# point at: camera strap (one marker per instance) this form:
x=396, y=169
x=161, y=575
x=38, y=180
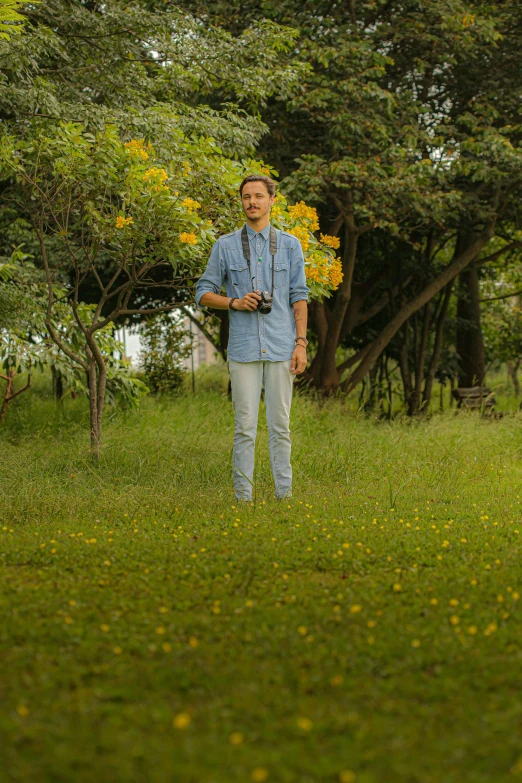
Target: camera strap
x=246, y=253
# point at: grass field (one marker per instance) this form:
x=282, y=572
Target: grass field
x=366, y=631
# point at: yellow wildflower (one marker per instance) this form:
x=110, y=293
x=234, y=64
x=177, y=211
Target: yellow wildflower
x=181, y=721
x=155, y=173
x=136, y=148
x=122, y=222
x=259, y=775
x=190, y=204
x=336, y=273
x=188, y=239
x=334, y=242
x=155, y=178
x=306, y=213
x=302, y=234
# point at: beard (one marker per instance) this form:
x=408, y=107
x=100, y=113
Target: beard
x=254, y=214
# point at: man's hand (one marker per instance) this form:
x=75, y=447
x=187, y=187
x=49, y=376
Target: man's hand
x=248, y=302
x=298, y=359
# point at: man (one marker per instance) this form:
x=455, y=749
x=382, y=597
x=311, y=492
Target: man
x=265, y=348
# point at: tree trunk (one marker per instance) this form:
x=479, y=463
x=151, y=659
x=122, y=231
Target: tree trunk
x=470, y=342
x=57, y=383
x=391, y=329
x=370, y=402
x=420, y=361
x=513, y=374
x=325, y=372
x=320, y=320
x=390, y=389
x=404, y=364
x=9, y=394
x=437, y=348
x=97, y=382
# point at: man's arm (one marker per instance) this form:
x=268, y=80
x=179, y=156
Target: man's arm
x=299, y=354
x=218, y=302
x=299, y=301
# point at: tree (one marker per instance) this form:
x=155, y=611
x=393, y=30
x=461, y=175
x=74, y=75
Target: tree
x=146, y=216
x=390, y=133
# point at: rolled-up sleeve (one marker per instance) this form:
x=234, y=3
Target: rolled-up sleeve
x=212, y=279
x=298, y=289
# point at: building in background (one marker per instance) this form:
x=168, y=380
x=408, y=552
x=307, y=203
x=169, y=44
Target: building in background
x=204, y=352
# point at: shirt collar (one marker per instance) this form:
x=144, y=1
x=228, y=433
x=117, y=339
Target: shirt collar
x=265, y=233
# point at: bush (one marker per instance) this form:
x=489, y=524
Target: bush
x=165, y=343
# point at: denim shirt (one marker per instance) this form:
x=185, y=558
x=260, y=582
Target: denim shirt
x=255, y=337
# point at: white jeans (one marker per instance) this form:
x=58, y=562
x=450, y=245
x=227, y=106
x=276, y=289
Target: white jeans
x=247, y=378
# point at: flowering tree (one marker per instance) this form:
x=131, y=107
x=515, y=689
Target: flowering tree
x=134, y=217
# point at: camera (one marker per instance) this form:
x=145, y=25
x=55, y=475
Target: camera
x=265, y=305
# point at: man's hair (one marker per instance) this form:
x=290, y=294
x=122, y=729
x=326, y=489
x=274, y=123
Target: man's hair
x=270, y=184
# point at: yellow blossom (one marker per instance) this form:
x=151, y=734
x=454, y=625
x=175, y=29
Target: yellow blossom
x=181, y=721
x=305, y=724
x=155, y=173
x=136, y=148
x=330, y=241
x=188, y=238
x=302, y=234
x=259, y=775
x=305, y=213
x=336, y=273
x=236, y=738
x=122, y=222
x=347, y=776
x=22, y=710
x=190, y=204
x=155, y=178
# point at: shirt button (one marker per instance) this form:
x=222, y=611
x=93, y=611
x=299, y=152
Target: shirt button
x=263, y=351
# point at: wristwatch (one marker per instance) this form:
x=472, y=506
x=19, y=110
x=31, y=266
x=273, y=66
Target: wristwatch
x=231, y=302
x=305, y=341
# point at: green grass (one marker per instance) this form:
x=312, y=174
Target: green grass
x=367, y=630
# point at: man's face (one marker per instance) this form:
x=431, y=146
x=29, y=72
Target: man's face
x=256, y=200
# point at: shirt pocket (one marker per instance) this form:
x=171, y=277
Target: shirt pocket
x=280, y=273
x=240, y=275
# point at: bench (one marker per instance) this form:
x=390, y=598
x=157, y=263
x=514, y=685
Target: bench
x=475, y=397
